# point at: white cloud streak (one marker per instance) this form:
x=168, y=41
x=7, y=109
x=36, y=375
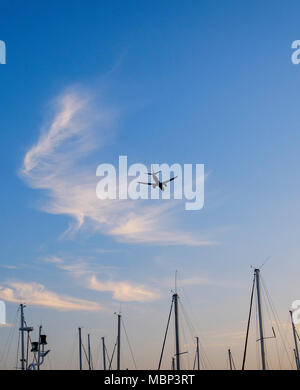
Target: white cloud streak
x=55, y=163
x=37, y=295
x=122, y=291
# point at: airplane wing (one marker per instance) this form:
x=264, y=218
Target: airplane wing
x=167, y=181
x=141, y=182
x=153, y=173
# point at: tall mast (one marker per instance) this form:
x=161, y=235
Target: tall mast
x=80, y=349
x=119, y=343
x=165, y=338
x=248, y=324
x=22, y=330
x=230, y=359
x=175, y=297
x=296, y=351
x=103, y=350
x=89, y=352
x=260, y=319
x=173, y=363
x=39, y=348
x=296, y=359
x=198, y=355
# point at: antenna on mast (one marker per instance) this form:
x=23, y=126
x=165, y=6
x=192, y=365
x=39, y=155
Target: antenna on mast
x=265, y=262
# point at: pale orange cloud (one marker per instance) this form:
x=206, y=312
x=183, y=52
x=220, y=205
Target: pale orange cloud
x=123, y=291
x=36, y=294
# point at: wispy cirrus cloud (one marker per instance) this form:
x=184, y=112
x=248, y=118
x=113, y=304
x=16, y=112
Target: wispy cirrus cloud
x=203, y=281
x=56, y=164
x=53, y=260
x=123, y=291
x=36, y=294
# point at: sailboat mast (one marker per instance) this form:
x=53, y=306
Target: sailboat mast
x=103, y=351
x=175, y=297
x=89, y=352
x=260, y=319
x=230, y=359
x=119, y=343
x=198, y=354
x=39, y=348
x=80, y=349
x=296, y=343
x=22, y=326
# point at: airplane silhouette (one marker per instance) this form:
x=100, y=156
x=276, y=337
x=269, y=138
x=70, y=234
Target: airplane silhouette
x=157, y=182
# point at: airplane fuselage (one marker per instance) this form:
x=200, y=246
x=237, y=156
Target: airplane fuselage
x=157, y=183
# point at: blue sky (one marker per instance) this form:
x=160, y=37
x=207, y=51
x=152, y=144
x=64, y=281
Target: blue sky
x=197, y=82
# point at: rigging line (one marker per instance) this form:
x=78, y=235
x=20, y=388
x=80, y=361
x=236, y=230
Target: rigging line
x=248, y=325
x=131, y=352
x=166, y=333
x=193, y=332
x=18, y=351
x=112, y=356
x=34, y=356
x=86, y=356
x=204, y=356
x=69, y=362
x=10, y=336
x=186, y=320
x=265, y=262
x=107, y=353
x=91, y=360
x=186, y=343
x=266, y=303
x=276, y=317
x=9, y=345
x=194, y=365
x=267, y=311
x=49, y=361
x=27, y=346
x=257, y=335
x=233, y=362
x=257, y=323
x=27, y=351
x=286, y=330
x=185, y=316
